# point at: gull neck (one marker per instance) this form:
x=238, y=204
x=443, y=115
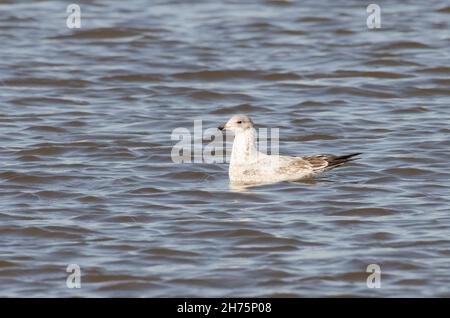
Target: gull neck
x=244, y=147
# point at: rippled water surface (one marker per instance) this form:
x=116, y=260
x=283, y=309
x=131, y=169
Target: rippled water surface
x=86, y=174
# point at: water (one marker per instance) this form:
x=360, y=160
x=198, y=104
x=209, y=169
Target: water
x=86, y=175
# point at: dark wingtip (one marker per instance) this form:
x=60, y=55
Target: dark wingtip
x=337, y=161
x=350, y=157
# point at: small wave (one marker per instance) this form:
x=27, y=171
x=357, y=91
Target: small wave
x=47, y=82
x=44, y=151
x=241, y=108
x=373, y=74
x=27, y=178
x=407, y=172
x=438, y=70
x=187, y=175
x=343, y=32
x=47, y=129
x=45, y=101
x=169, y=252
x=366, y=212
x=312, y=137
x=53, y=194
x=41, y=232
x=219, y=75
x=4, y=264
x=444, y=10
x=441, y=81
x=146, y=190
x=351, y=73
x=360, y=92
x=417, y=91
x=74, y=123
x=412, y=282
x=391, y=62
x=28, y=158
x=100, y=33
x=237, y=233
x=405, y=45
x=134, y=78
x=316, y=20
x=410, y=110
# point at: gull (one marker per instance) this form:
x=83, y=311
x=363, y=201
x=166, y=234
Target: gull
x=249, y=166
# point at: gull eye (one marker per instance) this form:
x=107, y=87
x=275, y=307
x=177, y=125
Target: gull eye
x=239, y=122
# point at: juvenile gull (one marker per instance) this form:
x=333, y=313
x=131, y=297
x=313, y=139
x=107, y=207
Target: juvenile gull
x=249, y=166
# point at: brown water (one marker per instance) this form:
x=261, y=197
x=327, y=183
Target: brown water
x=86, y=175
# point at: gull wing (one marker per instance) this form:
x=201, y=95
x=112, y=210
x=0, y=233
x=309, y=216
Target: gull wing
x=312, y=164
x=326, y=162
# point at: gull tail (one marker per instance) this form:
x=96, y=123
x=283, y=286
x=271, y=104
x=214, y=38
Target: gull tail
x=336, y=161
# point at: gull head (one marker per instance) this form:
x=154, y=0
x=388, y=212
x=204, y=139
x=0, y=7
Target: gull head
x=237, y=124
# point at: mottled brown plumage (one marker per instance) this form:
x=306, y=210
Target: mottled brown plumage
x=328, y=162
